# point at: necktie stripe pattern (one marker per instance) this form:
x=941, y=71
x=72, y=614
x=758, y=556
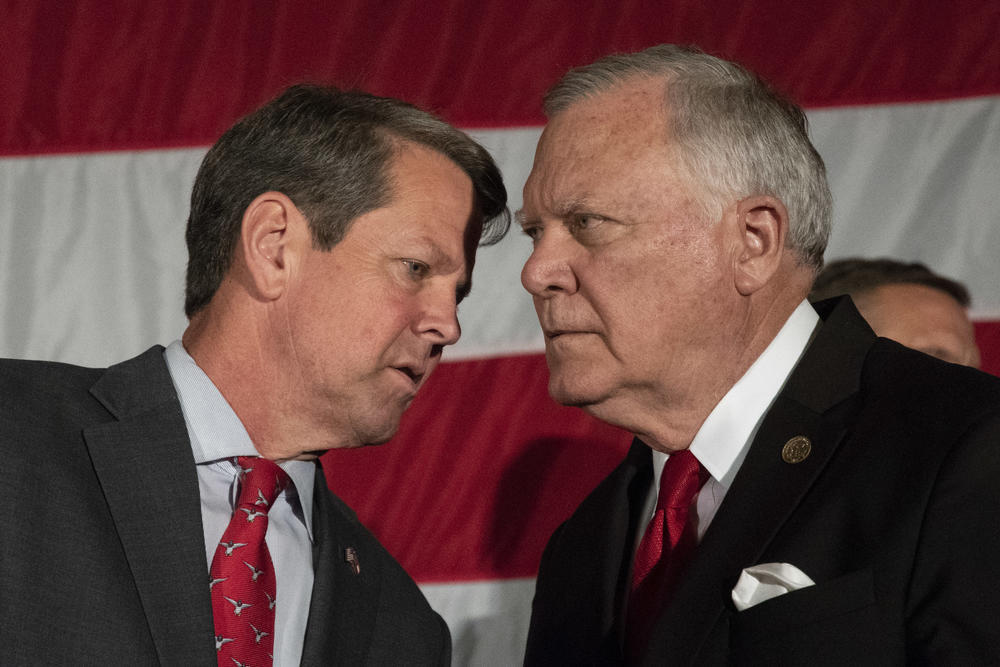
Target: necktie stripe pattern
x=242, y=580
x=666, y=547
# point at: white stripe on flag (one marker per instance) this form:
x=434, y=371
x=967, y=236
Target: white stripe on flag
x=93, y=252
x=488, y=620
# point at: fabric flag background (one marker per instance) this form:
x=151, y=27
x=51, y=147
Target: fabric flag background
x=108, y=107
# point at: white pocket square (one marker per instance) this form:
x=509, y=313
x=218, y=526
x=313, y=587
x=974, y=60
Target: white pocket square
x=766, y=581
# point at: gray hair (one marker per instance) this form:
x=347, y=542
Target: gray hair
x=330, y=152
x=736, y=135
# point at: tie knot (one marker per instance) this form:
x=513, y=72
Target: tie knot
x=261, y=481
x=680, y=481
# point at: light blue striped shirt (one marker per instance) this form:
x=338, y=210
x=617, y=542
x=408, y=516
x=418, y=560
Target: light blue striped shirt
x=217, y=435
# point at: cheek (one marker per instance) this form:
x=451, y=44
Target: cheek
x=389, y=318
x=628, y=287
x=646, y=303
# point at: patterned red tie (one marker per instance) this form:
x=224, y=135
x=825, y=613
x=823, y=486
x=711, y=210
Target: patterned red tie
x=242, y=578
x=665, y=549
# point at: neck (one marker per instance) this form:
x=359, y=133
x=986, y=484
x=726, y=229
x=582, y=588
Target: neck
x=240, y=364
x=668, y=418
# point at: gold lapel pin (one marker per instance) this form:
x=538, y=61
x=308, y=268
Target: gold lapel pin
x=351, y=557
x=796, y=450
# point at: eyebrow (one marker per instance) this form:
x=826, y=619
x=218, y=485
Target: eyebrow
x=561, y=210
x=437, y=255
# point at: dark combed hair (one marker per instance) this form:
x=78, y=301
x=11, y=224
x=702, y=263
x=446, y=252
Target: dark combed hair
x=330, y=151
x=856, y=275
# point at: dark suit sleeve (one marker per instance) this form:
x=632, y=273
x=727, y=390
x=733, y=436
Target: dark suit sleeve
x=540, y=641
x=953, y=607
x=445, y=660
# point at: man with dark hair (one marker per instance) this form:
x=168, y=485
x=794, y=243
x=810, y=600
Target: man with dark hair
x=799, y=491
x=906, y=302
x=176, y=497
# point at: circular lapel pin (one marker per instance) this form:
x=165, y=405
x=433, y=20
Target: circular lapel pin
x=796, y=450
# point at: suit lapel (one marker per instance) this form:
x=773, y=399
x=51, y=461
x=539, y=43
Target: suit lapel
x=147, y=472
x=593, y=582
x=627, y=494
x=339, y=633
x=816, y=403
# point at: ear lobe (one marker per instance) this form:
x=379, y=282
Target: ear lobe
x=763, y=227
x=266, y=236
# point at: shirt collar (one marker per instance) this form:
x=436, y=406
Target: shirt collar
x=722, y=441
x=216, y=432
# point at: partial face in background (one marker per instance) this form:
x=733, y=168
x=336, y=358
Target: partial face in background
x=923, y=318
x=368, y=319
x=631, y=279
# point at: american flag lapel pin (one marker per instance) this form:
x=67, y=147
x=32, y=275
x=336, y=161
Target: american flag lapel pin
x=351, y=556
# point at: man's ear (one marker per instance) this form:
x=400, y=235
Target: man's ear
x=763, y=227
x=270, y=235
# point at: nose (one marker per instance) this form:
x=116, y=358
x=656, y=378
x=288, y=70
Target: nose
x=548, y=271
x=439, y=319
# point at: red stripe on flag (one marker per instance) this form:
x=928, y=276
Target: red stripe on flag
x=483, y=469
x=988, y=339
x=486, y=465
x=109, y=74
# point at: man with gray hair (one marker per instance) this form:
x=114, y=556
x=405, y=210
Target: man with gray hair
x=798, y=491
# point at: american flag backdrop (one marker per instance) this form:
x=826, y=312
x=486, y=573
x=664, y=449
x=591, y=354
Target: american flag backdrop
x=108, y=106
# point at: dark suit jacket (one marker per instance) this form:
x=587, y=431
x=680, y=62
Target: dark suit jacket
x=102, y=556
x=895, y=515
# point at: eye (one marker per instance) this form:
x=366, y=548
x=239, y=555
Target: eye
x=416, y=269
x=582, y=222
x=533, y=232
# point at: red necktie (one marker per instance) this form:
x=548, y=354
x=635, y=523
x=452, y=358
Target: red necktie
x=242, y=577
x=665, y=549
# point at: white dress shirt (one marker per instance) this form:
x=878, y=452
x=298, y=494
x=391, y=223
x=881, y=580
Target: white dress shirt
x=217, y=435
x=721, y=444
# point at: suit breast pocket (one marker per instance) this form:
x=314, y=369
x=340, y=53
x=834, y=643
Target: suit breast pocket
x=832, y=622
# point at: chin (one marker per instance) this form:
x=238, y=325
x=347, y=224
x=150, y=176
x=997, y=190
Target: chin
x=378, y=433
x=377, y=441
x=574, y=393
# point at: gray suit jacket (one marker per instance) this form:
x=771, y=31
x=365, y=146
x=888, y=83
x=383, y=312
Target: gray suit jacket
x=895, y=514
x=102, y=559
